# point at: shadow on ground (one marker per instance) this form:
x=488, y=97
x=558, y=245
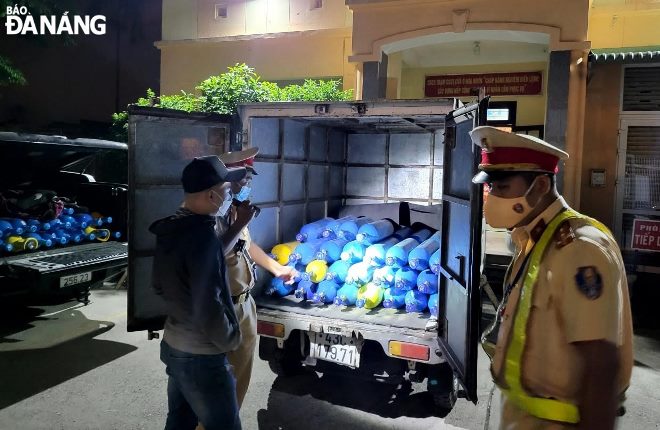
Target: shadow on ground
x=308, y=401
x=40, y=350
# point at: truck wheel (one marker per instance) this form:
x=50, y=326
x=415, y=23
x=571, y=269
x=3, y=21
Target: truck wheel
x=285, y=366
x=444, y=402
x=443, y=386
x=283, y=362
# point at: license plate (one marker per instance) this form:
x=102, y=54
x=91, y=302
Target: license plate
x=78, y=278
x=335, y=348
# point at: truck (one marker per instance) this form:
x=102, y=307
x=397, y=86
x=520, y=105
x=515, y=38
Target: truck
x=87, y=172
x=410, y=161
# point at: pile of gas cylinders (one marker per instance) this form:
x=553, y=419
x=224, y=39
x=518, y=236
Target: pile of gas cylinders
x=70, y=228
x=358, y=261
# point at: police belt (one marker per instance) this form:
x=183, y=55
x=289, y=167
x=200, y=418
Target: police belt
x=241, y=298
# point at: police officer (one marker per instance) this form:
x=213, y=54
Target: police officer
x=563, y=356
x=242, y=255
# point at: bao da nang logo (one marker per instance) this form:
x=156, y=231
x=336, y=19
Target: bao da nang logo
x=19, y=20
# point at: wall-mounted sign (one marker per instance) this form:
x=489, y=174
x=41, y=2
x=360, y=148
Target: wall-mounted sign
x=497, y=84
x=646, y=235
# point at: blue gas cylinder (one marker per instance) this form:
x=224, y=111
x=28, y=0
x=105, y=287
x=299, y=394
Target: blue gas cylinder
x=338, y=270
x=305, y=290
x=406, y=278
x=416, y=301
x=349, y=229
x=278, y=288
x=375, y=231
x=360, y=273
x=385, y=276
x=397, y=255
x=353, y=251
x=313, y=230
x=433, y=304
x=305, y=252
x=376, y=253
x=394, y=298
x=434, y=262
x=347, y=295
x=331, y=230
x=326, y=292
x=420, y=256
x=331, y=250
x=427, y=282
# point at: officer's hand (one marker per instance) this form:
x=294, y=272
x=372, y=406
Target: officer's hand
x=287, y=274
x=244, y=213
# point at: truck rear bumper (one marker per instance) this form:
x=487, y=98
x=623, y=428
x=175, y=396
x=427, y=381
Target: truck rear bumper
x=381, y=334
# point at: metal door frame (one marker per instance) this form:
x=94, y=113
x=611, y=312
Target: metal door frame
x=477, y=114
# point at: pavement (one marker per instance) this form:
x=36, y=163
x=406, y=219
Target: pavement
x=73, y=367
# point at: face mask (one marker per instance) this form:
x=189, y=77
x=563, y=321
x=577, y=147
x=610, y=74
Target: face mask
x=224, y=207
x=243, y=194
x=507, y=213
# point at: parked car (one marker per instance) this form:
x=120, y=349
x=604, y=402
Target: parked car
x=84, y=179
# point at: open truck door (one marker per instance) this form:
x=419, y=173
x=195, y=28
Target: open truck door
x=161, y=143
x=460, y=248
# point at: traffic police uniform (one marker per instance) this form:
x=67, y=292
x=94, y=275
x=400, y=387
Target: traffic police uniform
x=570, y=272
x=241, y=271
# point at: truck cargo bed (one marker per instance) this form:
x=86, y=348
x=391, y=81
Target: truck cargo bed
x=397, y=318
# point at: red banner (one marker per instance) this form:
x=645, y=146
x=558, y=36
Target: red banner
x=497, y=84
x=646, y=235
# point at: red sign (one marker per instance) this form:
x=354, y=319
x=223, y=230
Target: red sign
x=646, y=235
x=497, y=84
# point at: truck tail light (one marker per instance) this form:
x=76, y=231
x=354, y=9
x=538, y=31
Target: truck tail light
x=270, y=329
x=409, y=350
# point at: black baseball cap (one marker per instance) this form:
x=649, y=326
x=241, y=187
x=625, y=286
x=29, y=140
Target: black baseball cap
x=204, y=172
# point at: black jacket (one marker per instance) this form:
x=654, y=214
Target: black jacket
x=189, y=272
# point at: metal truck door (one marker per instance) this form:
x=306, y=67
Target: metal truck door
x=161, y=143
x=460, y=262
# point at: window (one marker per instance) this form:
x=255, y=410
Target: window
x=641, y=89
x=220, y=11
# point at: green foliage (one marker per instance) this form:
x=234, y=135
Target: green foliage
x=119, y=129
x=149, y=100
x=184, y=101
x=223, y=93
x=313, y=90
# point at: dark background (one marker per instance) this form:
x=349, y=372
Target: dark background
x=75, y=83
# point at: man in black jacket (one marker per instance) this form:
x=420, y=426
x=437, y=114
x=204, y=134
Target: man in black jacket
x=201, y=326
